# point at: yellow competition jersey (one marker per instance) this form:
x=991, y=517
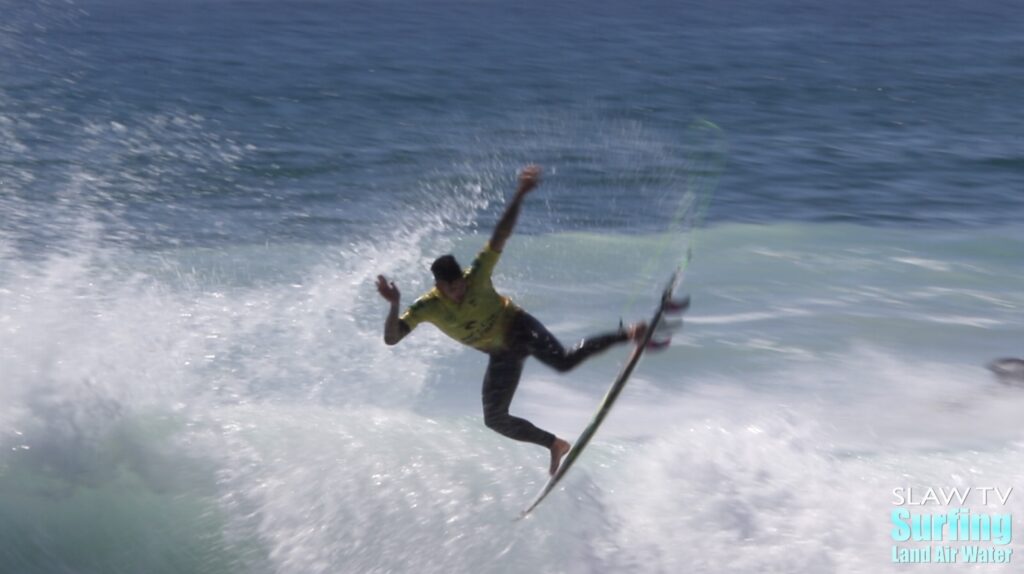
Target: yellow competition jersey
x=481, y=320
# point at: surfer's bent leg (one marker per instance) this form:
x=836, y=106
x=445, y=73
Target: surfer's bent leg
x=542, y=344
x=500, y=382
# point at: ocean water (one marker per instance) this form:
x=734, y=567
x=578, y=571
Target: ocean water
x=196, y=198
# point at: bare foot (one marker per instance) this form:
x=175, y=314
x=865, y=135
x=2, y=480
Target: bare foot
x=558, y=450
x=636, y=331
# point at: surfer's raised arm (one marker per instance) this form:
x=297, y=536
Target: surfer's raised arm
x=528, y=180
x=393, y=328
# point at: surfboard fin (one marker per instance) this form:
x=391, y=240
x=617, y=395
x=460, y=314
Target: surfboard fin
x=670, y=323
x=676, y=306
x=658, y=345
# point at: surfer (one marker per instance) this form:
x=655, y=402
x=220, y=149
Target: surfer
x=464, y=305
x=1008, y=371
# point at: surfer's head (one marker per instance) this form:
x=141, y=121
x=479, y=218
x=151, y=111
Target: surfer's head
x=448, y=278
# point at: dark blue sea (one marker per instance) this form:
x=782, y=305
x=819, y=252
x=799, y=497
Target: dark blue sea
x=197, y=196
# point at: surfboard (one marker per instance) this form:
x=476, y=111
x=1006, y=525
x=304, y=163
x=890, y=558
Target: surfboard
x=667, y=305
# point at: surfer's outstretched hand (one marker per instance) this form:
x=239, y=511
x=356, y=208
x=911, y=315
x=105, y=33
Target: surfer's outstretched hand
x=529, y=178
x=388, y=290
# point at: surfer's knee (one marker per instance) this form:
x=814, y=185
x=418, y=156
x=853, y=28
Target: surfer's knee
x=497, y=422
x=563, y=364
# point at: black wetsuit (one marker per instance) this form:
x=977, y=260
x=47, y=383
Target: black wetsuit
x=528, y=337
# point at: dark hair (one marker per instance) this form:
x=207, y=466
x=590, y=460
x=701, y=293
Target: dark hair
x=446, y=268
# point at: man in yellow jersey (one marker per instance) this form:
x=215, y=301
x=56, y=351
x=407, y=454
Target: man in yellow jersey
x=465, y=306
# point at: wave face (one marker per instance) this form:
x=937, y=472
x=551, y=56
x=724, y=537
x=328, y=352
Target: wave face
x=235, y=409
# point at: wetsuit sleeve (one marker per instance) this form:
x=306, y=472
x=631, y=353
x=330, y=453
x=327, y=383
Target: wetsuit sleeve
x=421, y=310
x=483, y=265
